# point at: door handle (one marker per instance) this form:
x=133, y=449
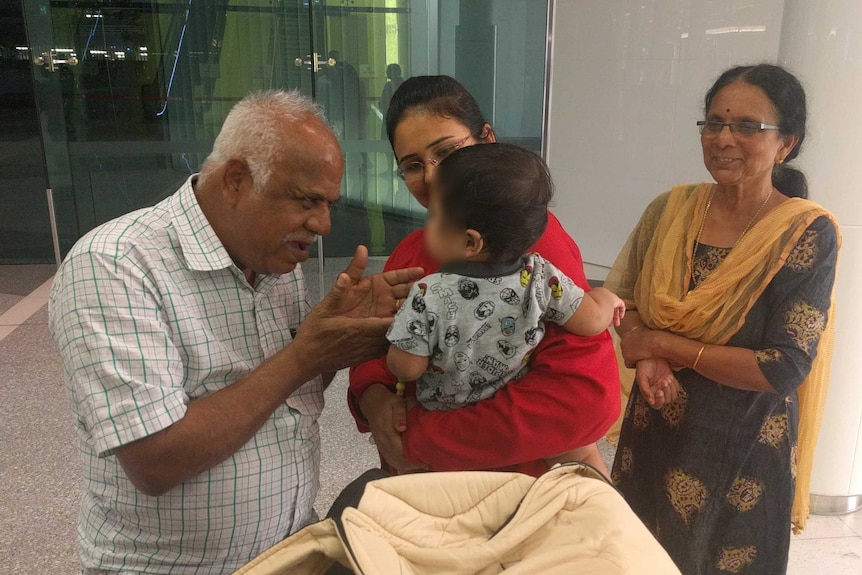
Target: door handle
x=56, y=57
x=315, y=61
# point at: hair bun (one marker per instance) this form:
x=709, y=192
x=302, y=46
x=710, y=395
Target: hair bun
x=789, y=181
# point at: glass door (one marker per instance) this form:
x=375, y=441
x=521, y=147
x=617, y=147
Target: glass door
x=496, y=48
x=364, y=39
x=25, y=231
x=132, y=94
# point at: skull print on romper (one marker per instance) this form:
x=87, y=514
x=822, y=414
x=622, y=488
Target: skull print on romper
x=478, y=324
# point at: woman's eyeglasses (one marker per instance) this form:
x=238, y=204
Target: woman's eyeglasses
x=713, y=128
x=413, y=170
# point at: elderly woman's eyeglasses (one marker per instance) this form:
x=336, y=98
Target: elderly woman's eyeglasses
x=713, y=128
x=413, y=170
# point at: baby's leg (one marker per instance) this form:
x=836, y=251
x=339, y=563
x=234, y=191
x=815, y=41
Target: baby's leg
x=587, y=454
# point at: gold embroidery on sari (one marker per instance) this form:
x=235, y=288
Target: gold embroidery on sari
x=803, y=257
x=735, y=559
x=767, y=355
x=673, y=413
x=641, y=418
x=794, y=459
x=686, y=493
x=626, y=460
x=745, y=493
x=706, y=262
x=773, y=430
x=804, y=324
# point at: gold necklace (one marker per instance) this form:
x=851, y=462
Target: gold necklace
x=745, y=231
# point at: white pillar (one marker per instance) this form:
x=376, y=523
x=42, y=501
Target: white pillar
x=822, y=43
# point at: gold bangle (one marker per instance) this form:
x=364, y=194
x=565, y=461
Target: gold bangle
x=635, y=328
x=697, y=359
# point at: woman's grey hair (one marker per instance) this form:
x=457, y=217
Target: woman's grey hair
x=253, y=130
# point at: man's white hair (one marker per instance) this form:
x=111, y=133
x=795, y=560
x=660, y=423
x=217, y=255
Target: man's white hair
x=253, y=131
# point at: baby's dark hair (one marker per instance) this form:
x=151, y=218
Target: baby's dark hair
x=501, y=191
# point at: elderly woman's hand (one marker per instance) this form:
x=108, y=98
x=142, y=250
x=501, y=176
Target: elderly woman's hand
x=657, y=382
x=638, y=345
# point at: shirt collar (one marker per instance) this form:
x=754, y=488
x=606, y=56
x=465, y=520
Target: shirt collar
x=483, y=269
x=200, y=246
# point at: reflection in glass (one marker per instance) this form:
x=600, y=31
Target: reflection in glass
x=25, y=235
x=154, y=79
x=152, y=85
x=364, y=38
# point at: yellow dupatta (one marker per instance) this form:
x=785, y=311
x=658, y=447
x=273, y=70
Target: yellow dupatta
x=652, y=275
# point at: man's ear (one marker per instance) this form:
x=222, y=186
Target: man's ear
x=236, y=178
x=474, y=243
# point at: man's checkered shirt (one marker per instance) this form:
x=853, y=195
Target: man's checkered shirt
x=150, y=313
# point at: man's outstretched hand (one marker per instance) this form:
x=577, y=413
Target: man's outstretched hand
x=370, y=296
x=349, y=325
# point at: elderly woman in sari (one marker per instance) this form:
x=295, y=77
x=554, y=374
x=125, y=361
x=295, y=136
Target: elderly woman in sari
x=729, y=284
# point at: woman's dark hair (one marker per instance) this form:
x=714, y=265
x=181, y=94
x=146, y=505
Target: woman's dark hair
x=788, y=98
x=440, y=95
x=501, y=191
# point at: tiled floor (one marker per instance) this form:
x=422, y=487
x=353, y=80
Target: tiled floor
x=40, y=472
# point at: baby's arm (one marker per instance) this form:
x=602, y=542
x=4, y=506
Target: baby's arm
x=405, y=365
x=599, y=309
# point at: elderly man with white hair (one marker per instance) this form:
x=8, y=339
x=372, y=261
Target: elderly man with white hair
x=193, y=360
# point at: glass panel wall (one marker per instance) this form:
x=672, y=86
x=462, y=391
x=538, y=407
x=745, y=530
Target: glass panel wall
x=137, y=91
x=25, y=234
x=132, y=94
x=366, y=39
x=494, y=47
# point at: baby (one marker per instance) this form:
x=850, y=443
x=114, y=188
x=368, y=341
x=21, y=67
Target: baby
x=466, y=331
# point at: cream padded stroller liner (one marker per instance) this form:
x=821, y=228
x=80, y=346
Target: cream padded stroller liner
x=567, y=521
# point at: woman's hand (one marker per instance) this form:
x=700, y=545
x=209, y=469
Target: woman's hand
x=657, y=382
x=638, y=345
x=387, y=418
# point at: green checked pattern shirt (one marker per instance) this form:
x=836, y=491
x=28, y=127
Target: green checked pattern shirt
x=150, y=314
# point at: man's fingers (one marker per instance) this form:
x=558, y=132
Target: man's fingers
x=403, y=276
x=374, y=326
x=357, y=265
x=400, y=291
x=342, y=282
x=332, y=301
x=369, y=341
